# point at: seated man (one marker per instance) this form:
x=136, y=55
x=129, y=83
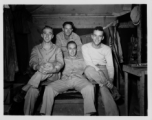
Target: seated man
x=98, y=58
x=67, y=35
x=72, y=77
x=47, y=60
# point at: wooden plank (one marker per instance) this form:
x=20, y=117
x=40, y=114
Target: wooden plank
x=79, y=21
x=79, y=9
x=126, y=25
x=142, y=95
x=69, y=101
x=134, y=71
x=139, y=36
x=141, y=73
x=126, y=92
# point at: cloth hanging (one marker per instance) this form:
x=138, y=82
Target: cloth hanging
x=114, y=43
x=10, y=58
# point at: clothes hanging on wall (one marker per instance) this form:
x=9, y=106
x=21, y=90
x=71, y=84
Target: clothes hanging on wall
x=26, y=36
x=114, y=43
x=10, y=57
x=20, y=20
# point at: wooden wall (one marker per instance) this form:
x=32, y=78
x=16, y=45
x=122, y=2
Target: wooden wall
x=80, y=21
x=83, y=16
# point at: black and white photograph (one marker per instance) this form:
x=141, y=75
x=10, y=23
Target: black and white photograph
x=75, y=59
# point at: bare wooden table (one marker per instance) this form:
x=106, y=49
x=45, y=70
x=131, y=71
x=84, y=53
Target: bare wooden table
x=141, y=72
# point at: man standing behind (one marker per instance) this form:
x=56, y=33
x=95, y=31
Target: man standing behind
x=98, y=58
x=67, y=35
x=72, y=77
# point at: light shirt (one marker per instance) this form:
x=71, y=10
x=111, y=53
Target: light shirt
x=101, y=56
x=40, y=56
x=73, y=67
x=62, y=42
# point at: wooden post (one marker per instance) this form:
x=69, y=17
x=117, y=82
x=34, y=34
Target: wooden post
x=142, y=95
x=139, y=36
x=126, y=92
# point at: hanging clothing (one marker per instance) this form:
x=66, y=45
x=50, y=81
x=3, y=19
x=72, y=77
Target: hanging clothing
x=10, y=57
x=114, y=43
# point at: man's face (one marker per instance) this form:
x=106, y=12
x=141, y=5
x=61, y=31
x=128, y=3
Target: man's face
x=47, y=35
x=72, y=49
x=67, y=29
x=97, y=37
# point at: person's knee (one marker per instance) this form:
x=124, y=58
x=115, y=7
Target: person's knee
x=32, y=93
x=89, y=68
x=33, y=90
x=88, y=71
x=92, y=75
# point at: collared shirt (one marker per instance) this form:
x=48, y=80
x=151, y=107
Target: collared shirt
x=98, y=57
x=40, y=56
x=62, y=42
x=74, y=67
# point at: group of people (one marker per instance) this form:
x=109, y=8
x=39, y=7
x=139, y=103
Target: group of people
x=68, y=64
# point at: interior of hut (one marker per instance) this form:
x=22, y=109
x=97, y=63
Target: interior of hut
x=125, y=27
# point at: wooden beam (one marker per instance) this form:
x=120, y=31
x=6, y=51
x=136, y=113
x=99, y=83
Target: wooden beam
x=139, y=36
x=69, y=101
x=82, y=21
x=71, y=15
x=127, y=25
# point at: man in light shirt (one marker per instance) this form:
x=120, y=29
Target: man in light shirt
x=72, y=77
x=99, y=61
x=47, y=61
x=67, y=35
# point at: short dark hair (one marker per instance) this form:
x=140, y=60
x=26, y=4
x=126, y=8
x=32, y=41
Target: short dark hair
x=69, y=23
x=71, y=42
x=46, y=26
x=100, y=28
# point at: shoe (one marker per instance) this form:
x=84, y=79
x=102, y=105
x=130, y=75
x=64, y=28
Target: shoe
x=41, y=114
x=20, y=96
x=91, y=114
